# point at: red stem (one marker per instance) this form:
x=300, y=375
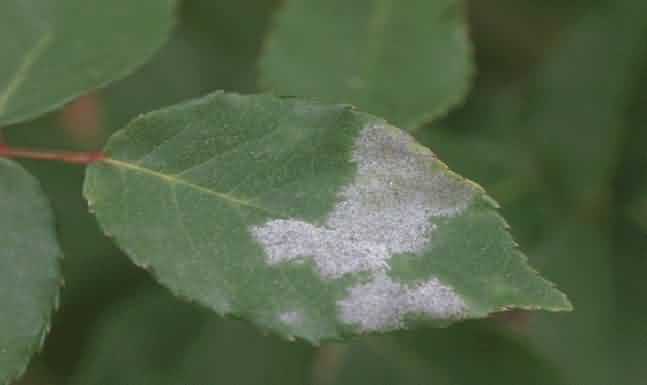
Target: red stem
x=61, y=156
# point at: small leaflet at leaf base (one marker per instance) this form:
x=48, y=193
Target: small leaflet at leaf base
x=29, y=270
x=311, y=220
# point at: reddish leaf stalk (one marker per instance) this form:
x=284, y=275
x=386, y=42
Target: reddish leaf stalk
x=60, y=156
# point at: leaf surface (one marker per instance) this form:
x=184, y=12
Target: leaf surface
x=29, y=272
x=311, y=220
x=406, y=61
x=55, y=50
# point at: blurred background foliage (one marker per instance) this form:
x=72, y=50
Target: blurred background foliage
x=553, y=128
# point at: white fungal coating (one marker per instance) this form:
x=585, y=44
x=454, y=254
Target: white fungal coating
x=382, y=303
x=388, y=209
x=290, y=317
x=287, y=240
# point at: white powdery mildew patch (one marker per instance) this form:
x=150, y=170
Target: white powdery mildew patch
x=290, y=317
x=287, y=240
x=382, y=303
x=388, y=209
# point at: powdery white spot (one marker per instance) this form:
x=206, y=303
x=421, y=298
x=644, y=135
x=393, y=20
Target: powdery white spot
x=291, y=317
x=388, y=209
x=382, y=303
x=290, y=240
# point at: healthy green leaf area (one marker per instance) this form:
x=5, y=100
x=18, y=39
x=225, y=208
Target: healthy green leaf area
x=55, y=50
x=29, y=272
x=407, y=61
x=310, y=220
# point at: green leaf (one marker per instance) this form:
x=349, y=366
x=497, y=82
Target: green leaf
x=576, y=89
x=407, y=61
x=56, y=50
x=29, y=272
x=581, y=343
x=193, y=63
x=170, y=342
x=468, y=354
x=311, y=220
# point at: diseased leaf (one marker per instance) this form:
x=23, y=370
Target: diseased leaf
x=406, y=61
x=55, y=50
x=29, y=272
x=311, y=220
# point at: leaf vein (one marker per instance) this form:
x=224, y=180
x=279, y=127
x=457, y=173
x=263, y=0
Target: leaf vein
x=171, y=179
x=182, y=222
x=233, y=149
x=154, y=150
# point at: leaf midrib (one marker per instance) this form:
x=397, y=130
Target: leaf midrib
x=174, y=180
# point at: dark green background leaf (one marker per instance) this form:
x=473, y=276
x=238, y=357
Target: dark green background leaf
x=29, y=273
x=172, y=342
x=588, y=82
x=177, y=343
x=55, y=50
x=406, y=61
x=464, y=354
